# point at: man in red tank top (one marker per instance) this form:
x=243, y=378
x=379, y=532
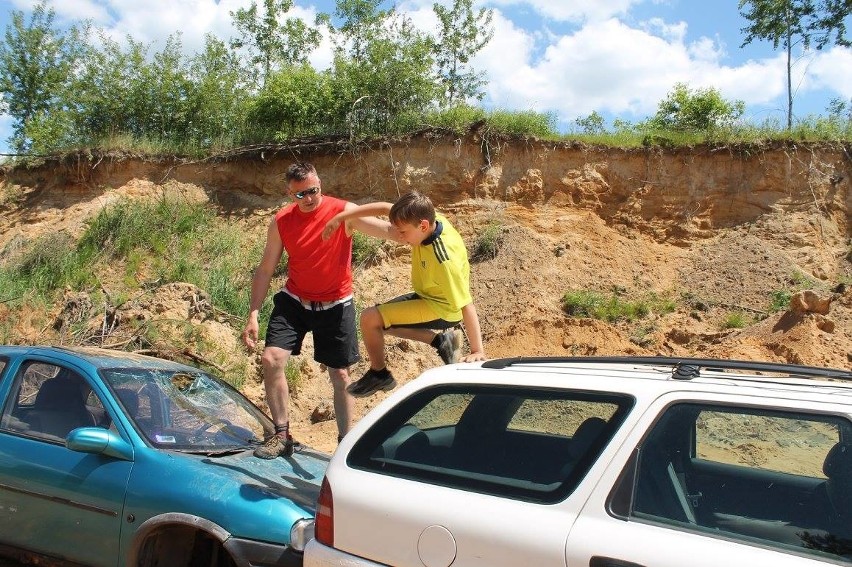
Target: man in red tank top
x=316, y=298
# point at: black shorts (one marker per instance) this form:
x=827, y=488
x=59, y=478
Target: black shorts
x=335, y=334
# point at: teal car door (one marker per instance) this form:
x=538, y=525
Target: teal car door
x=54, y=500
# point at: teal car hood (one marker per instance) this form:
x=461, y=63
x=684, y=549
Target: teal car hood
x=247, y=496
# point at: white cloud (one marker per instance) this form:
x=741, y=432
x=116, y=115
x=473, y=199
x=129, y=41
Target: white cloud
x=613, y=68
x=154, y=20
x=832, y=69
x=675, y=32
x=67, y=11
x=79, y=10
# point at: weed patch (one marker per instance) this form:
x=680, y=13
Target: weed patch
x=735, y=320
x=612, y=308
x=488, y=242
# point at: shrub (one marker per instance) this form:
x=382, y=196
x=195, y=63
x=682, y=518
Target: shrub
x=521, y=123
x=365, y=249
x=293, y=375
x=48, y=264
x=488, y=242
x=457, y=118
x=780, y=300
x=699, y=110
x=585, y=303
x=129, y=225
x=801, y=281
x=734, y=320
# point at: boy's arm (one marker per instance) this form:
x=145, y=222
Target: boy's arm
x=474, y=334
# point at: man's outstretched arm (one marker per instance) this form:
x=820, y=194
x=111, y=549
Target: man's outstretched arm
x=363, y=218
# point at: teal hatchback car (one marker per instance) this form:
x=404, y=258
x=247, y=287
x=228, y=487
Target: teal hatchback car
x=111, y=458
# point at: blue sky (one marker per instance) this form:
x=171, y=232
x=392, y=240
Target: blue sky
x=568, y=57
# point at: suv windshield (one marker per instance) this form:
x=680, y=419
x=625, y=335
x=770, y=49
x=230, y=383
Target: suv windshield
x=188, y=411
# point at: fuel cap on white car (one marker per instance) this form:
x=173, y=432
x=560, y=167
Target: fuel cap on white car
x=436, y=547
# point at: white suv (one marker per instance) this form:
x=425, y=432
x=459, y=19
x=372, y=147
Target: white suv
x=598, y=462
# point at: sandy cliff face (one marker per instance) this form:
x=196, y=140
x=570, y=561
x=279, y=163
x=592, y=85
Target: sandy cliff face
x=714, y=230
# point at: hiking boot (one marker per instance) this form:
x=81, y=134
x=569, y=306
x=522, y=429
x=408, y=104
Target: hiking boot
x=371, y=382
x=449, y=346
x=275, y=446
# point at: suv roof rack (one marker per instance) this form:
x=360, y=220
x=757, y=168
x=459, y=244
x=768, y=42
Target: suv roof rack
x=683, y=368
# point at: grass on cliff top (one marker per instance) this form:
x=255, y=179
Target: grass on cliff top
x=490, y=126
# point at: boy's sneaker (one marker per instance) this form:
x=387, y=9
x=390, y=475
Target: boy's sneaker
x=373, y=381
x=449, y=346
x=275, y=446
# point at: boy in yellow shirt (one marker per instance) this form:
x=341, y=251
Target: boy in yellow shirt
x=440, y=277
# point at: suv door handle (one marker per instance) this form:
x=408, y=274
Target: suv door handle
x=598, y=561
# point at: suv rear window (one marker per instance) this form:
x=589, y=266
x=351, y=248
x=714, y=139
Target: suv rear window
x=526, y=443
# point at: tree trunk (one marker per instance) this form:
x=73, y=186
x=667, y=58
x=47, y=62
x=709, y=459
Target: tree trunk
x=789, y=81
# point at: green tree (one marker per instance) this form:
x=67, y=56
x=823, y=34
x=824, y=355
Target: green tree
x=840, y=110
x=789, y=23
x=462, y=34
x=382, y=72
x=272, y=44
x=361, y=22
x=112, y=91
x=591, y=124
x=37, y=62
x=392, y=81
x=169, y=92
x=698, y=110
x=126, y=91
x=831, y=22
x=295, y=101
x=162, y=96
x=220, y=96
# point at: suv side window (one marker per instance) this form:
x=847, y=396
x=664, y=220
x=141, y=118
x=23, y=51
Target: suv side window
x=524, y=443
x=48, y=401
x=774, y=478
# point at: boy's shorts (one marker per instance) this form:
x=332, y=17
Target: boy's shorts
x=411, y=312
x=335, y=335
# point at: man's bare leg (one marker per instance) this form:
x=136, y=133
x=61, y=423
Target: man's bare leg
x=274, y=365
x=344, y=403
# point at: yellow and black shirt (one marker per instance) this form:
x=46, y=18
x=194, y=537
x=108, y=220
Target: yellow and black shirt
x=440, y=272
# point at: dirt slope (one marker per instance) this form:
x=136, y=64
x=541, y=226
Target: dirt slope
x=716, y=231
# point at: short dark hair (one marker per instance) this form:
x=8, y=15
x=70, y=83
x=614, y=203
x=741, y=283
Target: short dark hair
x=411, y=208
x=299, y=171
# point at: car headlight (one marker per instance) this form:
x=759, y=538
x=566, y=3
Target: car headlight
x=301, y=533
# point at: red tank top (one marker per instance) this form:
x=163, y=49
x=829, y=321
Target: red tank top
x=319, y=270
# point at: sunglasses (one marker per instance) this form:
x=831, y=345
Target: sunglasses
x=306, y=192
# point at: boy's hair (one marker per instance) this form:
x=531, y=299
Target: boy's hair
x=299, y=171
x=411, y=208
